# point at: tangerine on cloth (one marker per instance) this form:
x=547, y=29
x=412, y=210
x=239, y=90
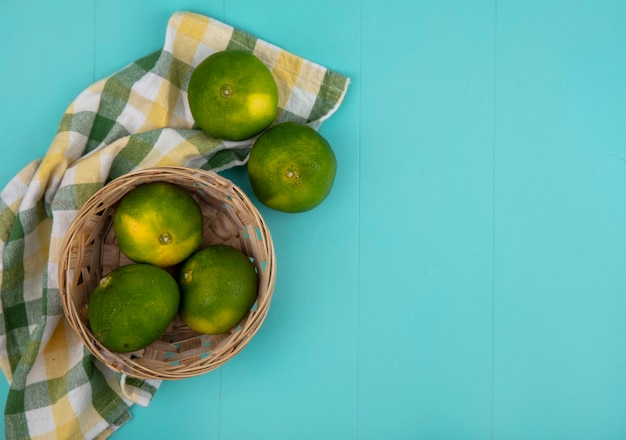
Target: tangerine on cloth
x=136, y=118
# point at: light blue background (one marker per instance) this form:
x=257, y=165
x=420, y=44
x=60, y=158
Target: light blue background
x=465, y=279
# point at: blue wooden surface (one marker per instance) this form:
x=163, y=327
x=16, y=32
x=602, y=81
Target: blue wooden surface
x=465, y=279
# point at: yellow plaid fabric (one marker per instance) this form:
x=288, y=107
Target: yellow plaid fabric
x=134, y=119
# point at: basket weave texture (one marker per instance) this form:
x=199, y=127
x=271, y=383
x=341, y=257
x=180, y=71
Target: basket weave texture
x=90, y=251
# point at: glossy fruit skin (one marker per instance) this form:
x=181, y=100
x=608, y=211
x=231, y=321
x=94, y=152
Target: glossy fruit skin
x=132, y=306
x=292, y=168
x=218, y=286
x=232, y=95
x=158, y=223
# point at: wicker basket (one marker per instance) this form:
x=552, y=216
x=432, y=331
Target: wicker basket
x=90, y=251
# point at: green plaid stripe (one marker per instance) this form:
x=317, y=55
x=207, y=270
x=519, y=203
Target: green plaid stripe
x=330, y=93
x=222, y=159
x=13, y=272
x=69, y=197
x=242, y=40
x=136, y=118
x=81, y=122
x=142, y=385
x=106, y=401
x=173, y=70
x=133, y=153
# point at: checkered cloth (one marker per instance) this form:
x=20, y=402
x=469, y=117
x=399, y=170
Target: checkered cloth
x=136, y=118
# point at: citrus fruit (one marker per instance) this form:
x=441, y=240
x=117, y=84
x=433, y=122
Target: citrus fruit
x=218, y=286
x=291, y=167
x=233, y=95
x=158, y=223
x=132, y=306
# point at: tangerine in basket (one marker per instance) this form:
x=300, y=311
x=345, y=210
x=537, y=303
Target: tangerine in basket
x=232, y=95
x=218, y=286
x=132, y=306
x=158, y=223
x=291, y=168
